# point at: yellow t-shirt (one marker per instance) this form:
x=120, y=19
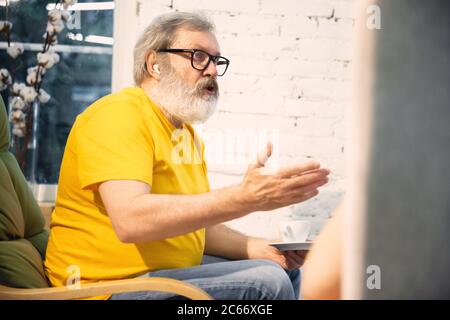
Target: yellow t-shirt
x=122, y=136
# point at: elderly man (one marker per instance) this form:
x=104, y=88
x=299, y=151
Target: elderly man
x=127, y=208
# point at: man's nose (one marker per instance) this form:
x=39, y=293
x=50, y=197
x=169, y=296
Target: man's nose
x=211, y=71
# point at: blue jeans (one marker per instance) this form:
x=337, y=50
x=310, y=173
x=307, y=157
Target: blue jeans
x=229, y=280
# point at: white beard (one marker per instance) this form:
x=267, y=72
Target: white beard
x=185, y=103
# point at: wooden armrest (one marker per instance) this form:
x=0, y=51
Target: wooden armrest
x=105, y=288
x=46, y=210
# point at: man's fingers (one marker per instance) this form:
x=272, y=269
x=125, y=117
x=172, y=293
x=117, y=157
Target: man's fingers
x=280, y=258
x=263, y=156
x=317, y=178
x=302, y=253
x=295, y=257
x=313, y=171
x=290, y=262
x=301, y=196
x=298, y=169
x=305, y=187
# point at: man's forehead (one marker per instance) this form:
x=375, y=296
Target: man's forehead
x=188, y=39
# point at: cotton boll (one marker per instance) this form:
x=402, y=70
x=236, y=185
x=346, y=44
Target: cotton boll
x=55, y=27
x=4, y=73
x=35, y=69
x=65, y=15
x=22, y=125
x=28, y=94
x=53, y=41
x=15, y=50
x=51, y=38
x=67, y=3
x=48, y=59
x=50, y=64
x=16, y=87
x=5, y=26
x=18, y=132
x=32, y=78
x=44, y=58
x=44, y=97
x=54, y=16
x=17, y=116
x=50, y=28
x=55, y=57
x=5, y=78
x=33, y=75
x=17, y=103
x=59, y=26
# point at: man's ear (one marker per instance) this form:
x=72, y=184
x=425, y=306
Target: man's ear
x=149, y=63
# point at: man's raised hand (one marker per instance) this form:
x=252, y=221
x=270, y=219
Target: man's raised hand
x=289, y=185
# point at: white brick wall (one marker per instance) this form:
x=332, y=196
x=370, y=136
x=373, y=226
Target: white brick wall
x=290, y=71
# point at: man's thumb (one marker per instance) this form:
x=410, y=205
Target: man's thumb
x=264, y=155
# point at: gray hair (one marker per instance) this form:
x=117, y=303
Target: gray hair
x=161, y=34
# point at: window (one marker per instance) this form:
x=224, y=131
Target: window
x=82, y=76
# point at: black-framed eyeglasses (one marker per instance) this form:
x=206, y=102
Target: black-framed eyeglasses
x=200, y=59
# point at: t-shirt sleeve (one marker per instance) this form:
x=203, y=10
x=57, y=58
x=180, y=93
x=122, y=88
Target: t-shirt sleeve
x=115, y=144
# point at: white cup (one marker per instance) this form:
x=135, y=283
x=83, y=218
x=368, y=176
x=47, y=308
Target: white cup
x=317, y=224
x=294, y=230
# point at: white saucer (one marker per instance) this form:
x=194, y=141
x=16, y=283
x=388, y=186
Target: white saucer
x=287, y=246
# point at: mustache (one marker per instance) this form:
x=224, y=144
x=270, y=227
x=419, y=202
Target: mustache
x=171, y=81
x=206, y=83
